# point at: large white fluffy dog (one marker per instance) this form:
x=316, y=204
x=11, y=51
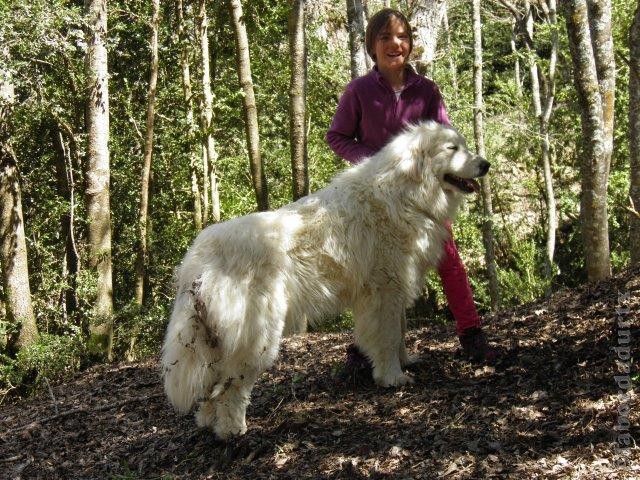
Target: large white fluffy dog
x=364, y=242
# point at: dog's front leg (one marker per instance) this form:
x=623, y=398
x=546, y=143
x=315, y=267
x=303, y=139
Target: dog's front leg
x=406, y=359
x=378, y=332
x=225, y=409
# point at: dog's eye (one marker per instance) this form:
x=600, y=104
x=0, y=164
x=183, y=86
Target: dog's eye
x=452, y=146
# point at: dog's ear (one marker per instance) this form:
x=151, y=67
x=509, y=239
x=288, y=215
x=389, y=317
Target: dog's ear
x=420, y=158
x=415, y=162
x=414, y=152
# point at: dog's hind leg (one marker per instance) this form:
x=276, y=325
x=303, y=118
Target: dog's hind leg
x=224, y=409
x=189, y=356
x=378, y=332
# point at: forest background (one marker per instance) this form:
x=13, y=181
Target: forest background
x=191, y=152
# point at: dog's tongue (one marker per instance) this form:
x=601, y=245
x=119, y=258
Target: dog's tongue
x=473, y=184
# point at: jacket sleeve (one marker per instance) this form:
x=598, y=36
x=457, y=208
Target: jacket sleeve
x=437, y=108
x=342, y=135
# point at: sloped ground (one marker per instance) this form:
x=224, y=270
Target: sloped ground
x=548, y=411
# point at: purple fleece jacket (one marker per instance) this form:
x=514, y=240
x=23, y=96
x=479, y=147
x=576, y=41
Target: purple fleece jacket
x=369, y=114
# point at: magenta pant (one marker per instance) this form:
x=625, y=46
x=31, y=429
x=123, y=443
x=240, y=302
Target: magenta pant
x=457, y=289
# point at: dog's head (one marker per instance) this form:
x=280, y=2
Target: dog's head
x=439, y=151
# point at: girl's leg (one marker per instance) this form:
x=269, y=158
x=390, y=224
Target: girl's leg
x=457, y=289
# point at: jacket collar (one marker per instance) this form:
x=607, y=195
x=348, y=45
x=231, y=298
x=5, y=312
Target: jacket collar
x=411, y=77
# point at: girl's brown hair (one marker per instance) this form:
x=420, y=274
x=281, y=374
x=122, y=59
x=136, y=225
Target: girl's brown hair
x=378, y=22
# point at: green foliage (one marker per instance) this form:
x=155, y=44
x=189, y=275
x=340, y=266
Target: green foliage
x=340, y=323
x=139, y=331
x=522, y=281
x=618, y=201
x=52, y=358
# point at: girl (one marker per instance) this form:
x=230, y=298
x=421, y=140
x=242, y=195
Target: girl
x=372, y=109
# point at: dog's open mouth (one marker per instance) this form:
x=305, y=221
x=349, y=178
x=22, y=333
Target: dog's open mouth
x=466, y=185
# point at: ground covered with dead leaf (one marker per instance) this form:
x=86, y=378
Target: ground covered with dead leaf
x=553, y=408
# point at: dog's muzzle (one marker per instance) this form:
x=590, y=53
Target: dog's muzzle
x=483, y=166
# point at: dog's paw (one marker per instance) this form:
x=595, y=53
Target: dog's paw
x=205, y=416
x=227, y=430
x=394, y=380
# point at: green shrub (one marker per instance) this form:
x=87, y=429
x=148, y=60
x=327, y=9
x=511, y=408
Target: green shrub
x=340, y=323
x=139, y=331
x=52, y=357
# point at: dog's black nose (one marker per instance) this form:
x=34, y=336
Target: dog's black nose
x=484, y=166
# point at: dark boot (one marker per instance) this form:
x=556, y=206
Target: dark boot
x=475, y=347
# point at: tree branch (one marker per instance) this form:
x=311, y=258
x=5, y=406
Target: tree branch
x=627, y=61
x=631, y=208
x=73, y=411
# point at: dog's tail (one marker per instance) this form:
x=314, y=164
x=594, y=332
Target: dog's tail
x=188, y=353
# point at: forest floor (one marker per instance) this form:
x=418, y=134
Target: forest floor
x=549, y=410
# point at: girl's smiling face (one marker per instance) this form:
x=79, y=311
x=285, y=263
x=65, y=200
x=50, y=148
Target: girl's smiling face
x=392, y=46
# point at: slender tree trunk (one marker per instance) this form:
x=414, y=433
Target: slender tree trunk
x=516, y=62
x=188, y=101
x=543, y=117
x=453, y=69
x=360, y=60
x=250, y=109
x=142, y=260
x=209, y=147
x=634, y=137
x=297, y=100
x=478, y=124
x=533, y=66
x=201, y=24
x=13, y=247
x=596, y=151
x=66, y=190
x=204, y=157
x=97, y=171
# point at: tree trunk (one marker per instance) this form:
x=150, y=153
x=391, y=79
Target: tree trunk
x=543, y=118
x=210, y=156
x=516, y=62
x=249, y=103
x=13, y=247
x=97, y=171
x=426, y=20
x=453, y=69
x=15, y=271
x=142, y=260
x=596, y=154
x=634, y=136
x=297, y=100
x=66, y=189
x=602, y=44
x=478, y=126
x=360, y=60
x=188, y=101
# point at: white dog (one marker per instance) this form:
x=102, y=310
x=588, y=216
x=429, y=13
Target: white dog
x=364, y=242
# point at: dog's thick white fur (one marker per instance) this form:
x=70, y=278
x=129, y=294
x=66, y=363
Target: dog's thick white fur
x=364, y=242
